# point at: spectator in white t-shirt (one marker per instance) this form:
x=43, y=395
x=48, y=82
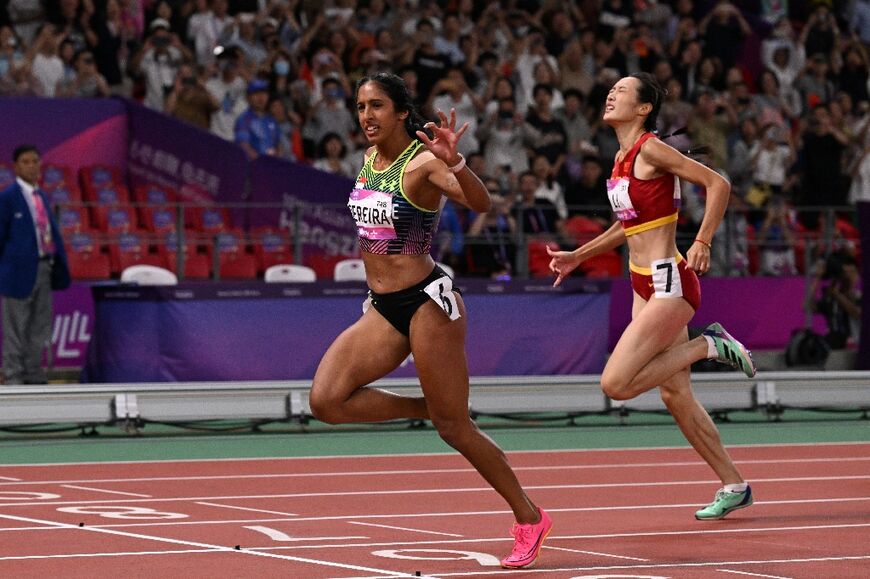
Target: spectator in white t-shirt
x=46, y=66
x=158, y=62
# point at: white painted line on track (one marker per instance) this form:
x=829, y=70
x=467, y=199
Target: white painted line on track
x=552, y=548
x=107, y=491
x=486, y=489
x=282, y=537
x=423, y=454
x=607, y=568
x=247, y=509
x=694, y=463
x=121, y=554
x=751, y=574
x=457, y=514
x=9, y=478
x=220, y=548
x=404, y=529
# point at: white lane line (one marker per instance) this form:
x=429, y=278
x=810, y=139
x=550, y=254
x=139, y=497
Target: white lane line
x=462, y=514
x=123, y=554
x=438, y=491
x=282, y=537
x=247, y=509
x=429, y=471
x=480, y=572
x=552, y=548
x=751, y=574
x=206, y=546
x=9, y=478
x=106, y=491
x=404, y=529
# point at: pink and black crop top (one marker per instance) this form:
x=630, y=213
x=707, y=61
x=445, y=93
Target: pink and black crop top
x=388, y=223
x=642, y=204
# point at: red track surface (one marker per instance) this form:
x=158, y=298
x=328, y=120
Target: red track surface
x=617, y=513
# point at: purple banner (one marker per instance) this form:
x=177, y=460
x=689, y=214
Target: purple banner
x=863, y=360
x=168, y=152
x=326, y=229
x=278, y=332
x=73, y=326
x=71, y=132
x=761, y=312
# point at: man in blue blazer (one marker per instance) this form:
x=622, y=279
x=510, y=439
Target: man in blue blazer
x=32, y=264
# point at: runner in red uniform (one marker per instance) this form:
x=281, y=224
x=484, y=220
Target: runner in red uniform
x=654, y=351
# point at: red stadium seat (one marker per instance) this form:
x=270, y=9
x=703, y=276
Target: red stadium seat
x=130, y=248
x=238, y=266
x=95, y=177
x=211, y=219
x=119, y=219
x=271, y=247
x=54, y=176
x=89, y=266
x=73, y=219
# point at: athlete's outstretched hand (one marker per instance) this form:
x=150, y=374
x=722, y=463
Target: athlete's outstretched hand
x=562, y=263
x=445, y=137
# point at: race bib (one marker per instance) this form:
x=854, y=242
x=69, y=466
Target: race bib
x=666, y=278
x=373, y=213
x=620, y=201
x=441, y=292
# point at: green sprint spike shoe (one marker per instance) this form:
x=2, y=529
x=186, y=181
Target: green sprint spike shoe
x=724, y=503
x=730, y=351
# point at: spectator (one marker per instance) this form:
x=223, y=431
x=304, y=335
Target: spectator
x=330, y=115
x=820, y=33
x=505, y=134
x=227, y=87
x=108, y=37
x=814, y=85
x=14, y=76
x=821, y=182
x=840, y=300
x=551, y=141
x=711, y=124
x=740, y=167
x=853, y=77
x=548, y=187
x=46, y=66
x=786, y=59
x=208, y=28
x=33, y=262
x=768, y=105
x=26, y=17
x=770, y=158
x=491, y=240
x=332, y=156
x=724, y=28
x=431, y=65
x=573, y=69
x=590, y=191
x=534, y=215
x=776, y=235
x=158, y=62
x=87, y=82
x=256, y=129
x=452, y=92
x=189, y=100
x=291, y=139
x=859, y=189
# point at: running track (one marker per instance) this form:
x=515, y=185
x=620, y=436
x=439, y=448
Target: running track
x=617, y=513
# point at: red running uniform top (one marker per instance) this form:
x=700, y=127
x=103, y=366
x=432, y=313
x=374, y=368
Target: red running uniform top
x=642, y=204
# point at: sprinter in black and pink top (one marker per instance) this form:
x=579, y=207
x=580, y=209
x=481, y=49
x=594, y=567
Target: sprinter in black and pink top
x=414, y=309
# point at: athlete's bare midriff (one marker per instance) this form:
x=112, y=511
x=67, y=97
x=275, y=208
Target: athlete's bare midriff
x=391, y=273
x=648, y=246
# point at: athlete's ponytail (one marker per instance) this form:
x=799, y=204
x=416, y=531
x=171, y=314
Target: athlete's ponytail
x=398, y=92
x=693, y=152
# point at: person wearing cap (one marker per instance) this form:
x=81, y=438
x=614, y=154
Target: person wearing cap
x=256, y=130
x=158, y=62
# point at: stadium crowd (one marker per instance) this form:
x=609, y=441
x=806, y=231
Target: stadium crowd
x=772, y=93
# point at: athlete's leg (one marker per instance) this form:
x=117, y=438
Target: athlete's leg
x=643, y=357
x=694, y=422
x=439, y=354
x=368, y=350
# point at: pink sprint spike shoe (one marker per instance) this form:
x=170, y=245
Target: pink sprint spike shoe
x=528, y=540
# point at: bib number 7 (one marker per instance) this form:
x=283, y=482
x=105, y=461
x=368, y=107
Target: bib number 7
x=666, y=278
x=441, y=292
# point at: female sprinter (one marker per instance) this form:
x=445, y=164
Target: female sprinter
x=413, y=307
x=655, y=350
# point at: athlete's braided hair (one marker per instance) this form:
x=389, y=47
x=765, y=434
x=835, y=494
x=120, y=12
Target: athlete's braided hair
x=651, y=91
x=398, y=92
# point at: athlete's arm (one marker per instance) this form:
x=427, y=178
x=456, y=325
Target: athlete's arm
x=666, y=159
x=463, y=186
x=564, y=262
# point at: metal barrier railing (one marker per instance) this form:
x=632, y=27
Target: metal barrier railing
x=815, y=233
